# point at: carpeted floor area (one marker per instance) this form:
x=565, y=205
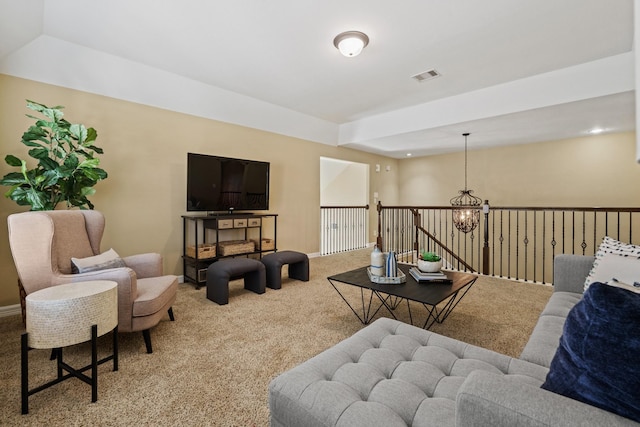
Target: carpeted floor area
x=213, y=364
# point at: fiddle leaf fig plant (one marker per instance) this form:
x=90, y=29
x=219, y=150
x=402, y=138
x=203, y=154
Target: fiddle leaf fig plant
x=67, y=168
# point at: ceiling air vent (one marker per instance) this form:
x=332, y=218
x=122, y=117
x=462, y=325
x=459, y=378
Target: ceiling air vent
x=426, y=75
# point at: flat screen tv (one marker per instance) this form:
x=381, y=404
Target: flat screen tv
x=223, y=184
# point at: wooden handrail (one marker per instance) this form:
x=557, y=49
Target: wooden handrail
x=345, y=207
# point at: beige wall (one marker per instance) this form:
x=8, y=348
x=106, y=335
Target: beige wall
x=590, y=171
x=145, y=156
x=342, y=183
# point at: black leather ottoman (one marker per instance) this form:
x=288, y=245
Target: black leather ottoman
x=298, y=267
x=219, y=273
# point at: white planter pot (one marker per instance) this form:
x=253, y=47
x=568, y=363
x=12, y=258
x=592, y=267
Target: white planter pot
x=429, y=266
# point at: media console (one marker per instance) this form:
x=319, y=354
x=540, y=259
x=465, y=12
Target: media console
x=208, y=238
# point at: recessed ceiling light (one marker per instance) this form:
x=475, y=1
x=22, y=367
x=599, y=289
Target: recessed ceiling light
x=408, y=154
x=596, y=131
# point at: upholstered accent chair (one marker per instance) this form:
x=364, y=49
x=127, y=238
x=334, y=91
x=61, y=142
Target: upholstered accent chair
x=43, y=243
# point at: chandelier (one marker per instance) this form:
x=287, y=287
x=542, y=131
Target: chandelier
x=466, y=206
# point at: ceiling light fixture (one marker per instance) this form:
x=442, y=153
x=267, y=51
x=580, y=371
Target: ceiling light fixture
x=351, y=43
x=466, y=207
x=596, y=131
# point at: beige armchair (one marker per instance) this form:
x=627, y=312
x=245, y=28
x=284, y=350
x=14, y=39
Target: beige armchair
x=43, y=243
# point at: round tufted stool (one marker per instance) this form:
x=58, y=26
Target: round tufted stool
x=221, y=272
x=298, y=267
x=69, y=314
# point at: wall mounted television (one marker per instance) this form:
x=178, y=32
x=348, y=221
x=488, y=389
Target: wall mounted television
x=224, y=184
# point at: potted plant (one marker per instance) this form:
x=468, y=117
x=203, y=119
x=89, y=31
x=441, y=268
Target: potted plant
x=67, y=168
x=429, y=262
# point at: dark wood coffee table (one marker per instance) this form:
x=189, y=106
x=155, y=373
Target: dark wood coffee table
x=439, y=299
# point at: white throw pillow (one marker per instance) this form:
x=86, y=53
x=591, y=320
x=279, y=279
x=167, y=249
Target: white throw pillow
x=635, y=287
x=615, y=260
x=108, y=259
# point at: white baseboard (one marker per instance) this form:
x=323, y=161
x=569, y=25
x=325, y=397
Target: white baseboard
x=10, y=310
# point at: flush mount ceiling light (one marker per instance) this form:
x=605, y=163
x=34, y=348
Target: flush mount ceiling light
x=351, y=43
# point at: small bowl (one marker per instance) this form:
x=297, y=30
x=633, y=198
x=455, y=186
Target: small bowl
x=429, y=266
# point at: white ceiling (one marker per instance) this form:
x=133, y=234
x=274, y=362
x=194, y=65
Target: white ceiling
x=512, y=71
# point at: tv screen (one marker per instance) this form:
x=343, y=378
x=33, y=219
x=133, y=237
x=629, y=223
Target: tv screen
x=226, y=184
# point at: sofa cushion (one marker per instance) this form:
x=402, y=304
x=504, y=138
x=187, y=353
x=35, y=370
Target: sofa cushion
x=615, y=259
x=596, y=361
x=388, y=373
x=544, y=339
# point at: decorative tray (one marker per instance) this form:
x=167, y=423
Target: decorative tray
x=384, y=280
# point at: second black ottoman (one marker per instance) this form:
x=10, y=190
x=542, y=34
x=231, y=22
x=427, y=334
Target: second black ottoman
x=221, y=272
x=298, y=267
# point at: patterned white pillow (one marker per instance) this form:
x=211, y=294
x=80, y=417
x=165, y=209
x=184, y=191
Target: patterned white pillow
x=108, y=259
x=615, y=260
x=619, y=284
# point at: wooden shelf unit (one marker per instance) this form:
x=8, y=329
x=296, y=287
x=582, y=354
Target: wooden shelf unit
x=213, y=229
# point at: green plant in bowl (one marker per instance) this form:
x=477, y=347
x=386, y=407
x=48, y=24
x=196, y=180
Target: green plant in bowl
x=429, y=262
x=429, y=256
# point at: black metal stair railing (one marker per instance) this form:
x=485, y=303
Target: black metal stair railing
x=511, y=242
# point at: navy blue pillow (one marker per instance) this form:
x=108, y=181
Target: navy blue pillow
x=598, y=360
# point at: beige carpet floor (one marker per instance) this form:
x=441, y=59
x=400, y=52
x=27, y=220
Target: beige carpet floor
x=212, y=366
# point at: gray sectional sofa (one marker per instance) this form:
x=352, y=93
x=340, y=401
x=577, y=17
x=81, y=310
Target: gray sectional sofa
x=394, y=374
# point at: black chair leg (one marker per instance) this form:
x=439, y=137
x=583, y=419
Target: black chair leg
x=171, y=314
x=147, y=340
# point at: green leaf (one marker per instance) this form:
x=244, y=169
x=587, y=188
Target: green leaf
x=12, y=160
x=96, y=149
x=71, y=161
x=35, y=133
x=87, y=191
x=79, y=132
x=101, y=173
x=35, y=106
x=89, y=163
x=18, y=195
x=48, y=164
x=39, y=153
x=92, y=134
x=91, y=175
x=51, y=178
x=38, y=200
x=52, y=113
x=13, y=178
x=39, y=179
